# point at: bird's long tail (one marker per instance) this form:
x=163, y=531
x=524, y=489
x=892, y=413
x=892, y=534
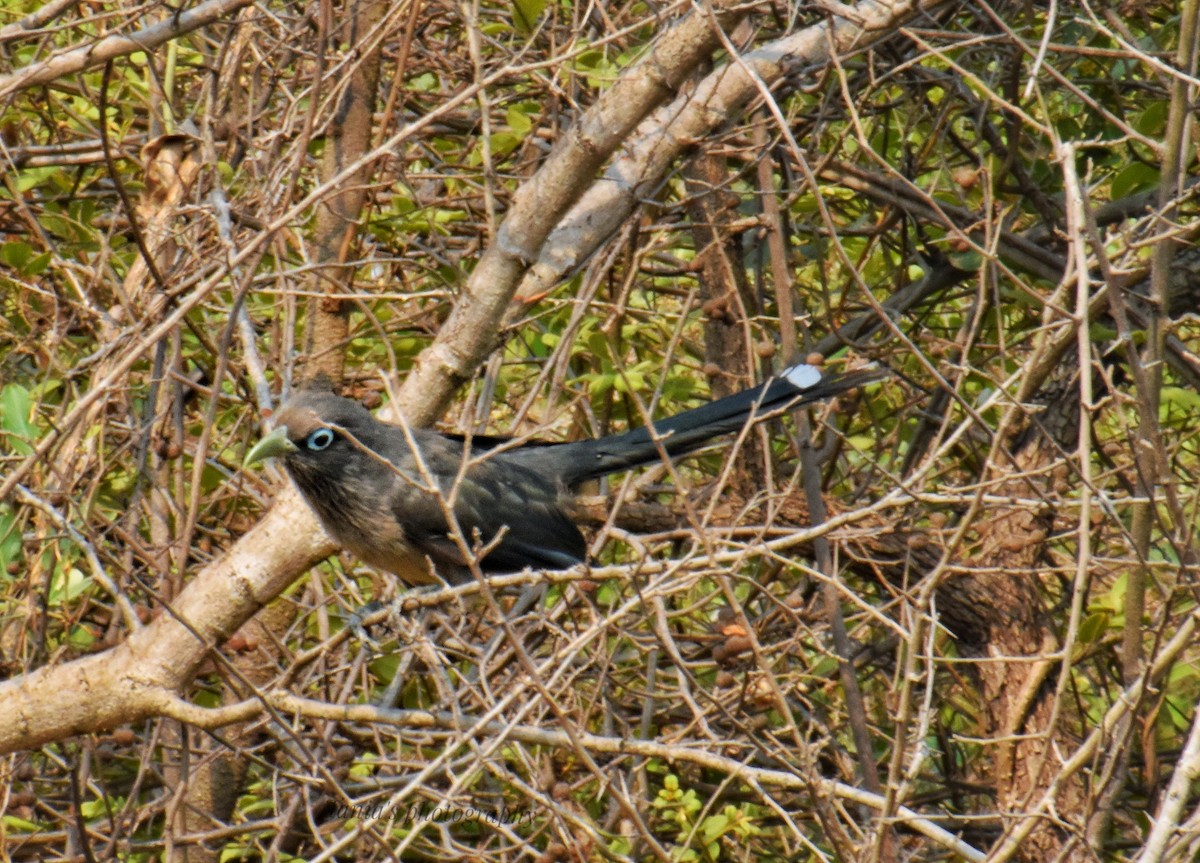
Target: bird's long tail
x=795, y=386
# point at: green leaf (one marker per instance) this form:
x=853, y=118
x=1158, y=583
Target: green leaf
x=66, y=586
x=630, y=382
x=31, y=178
x=16, y=255
x=608, y=594
x=18, y=432
x=81, y=638
x=519, y=119
x=968, y=261
x=20, y=825
x=1183, y=398
x=526, y=13
x=234, y=851
x=1153, y=120
x=385, y=667
x=1135, y=177
x=37, y=265
x=715, y=826
x=424, y=83
x=621, y=846
x=1098, y=332
x=1112, y=601
x=502, y=143
x=10, y=538
x=1093, y=627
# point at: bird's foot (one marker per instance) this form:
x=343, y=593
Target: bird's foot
x=391, y=610
x=356, y=623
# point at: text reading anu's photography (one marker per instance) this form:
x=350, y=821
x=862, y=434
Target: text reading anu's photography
x=440, y=814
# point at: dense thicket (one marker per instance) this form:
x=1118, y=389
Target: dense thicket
x=951, y=614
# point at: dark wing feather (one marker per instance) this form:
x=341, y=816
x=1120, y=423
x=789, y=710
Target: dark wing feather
x=495, y=497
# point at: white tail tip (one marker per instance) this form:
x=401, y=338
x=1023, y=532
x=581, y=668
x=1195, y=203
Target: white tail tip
x=802, y=376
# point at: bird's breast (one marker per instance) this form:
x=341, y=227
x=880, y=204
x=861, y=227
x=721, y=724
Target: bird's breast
x=360, y=520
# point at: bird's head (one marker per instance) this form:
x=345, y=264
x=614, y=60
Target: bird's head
x=316, y=433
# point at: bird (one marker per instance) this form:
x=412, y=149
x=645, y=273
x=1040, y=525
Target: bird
x=388, y=493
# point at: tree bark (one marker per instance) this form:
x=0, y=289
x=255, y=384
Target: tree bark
x=997, y=611
x=339, y=214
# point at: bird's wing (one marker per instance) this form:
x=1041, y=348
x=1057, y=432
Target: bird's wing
x=497, y=503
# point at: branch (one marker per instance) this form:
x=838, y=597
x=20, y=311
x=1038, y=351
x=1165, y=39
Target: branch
x=141, y=677
x=471, y=331
x=117, y=45
x=692, y=117
x=286, y=702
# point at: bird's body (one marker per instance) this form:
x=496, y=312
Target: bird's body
x=372, y=484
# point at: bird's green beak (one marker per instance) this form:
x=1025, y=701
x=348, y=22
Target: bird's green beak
x=274, y=444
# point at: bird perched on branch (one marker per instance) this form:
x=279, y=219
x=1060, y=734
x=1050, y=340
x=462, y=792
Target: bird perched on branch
x=388, y=493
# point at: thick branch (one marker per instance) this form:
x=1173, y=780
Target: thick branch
x=693, y=116
x=140, y=677
x=471, y=331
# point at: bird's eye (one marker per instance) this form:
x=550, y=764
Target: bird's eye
x=319, y=440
